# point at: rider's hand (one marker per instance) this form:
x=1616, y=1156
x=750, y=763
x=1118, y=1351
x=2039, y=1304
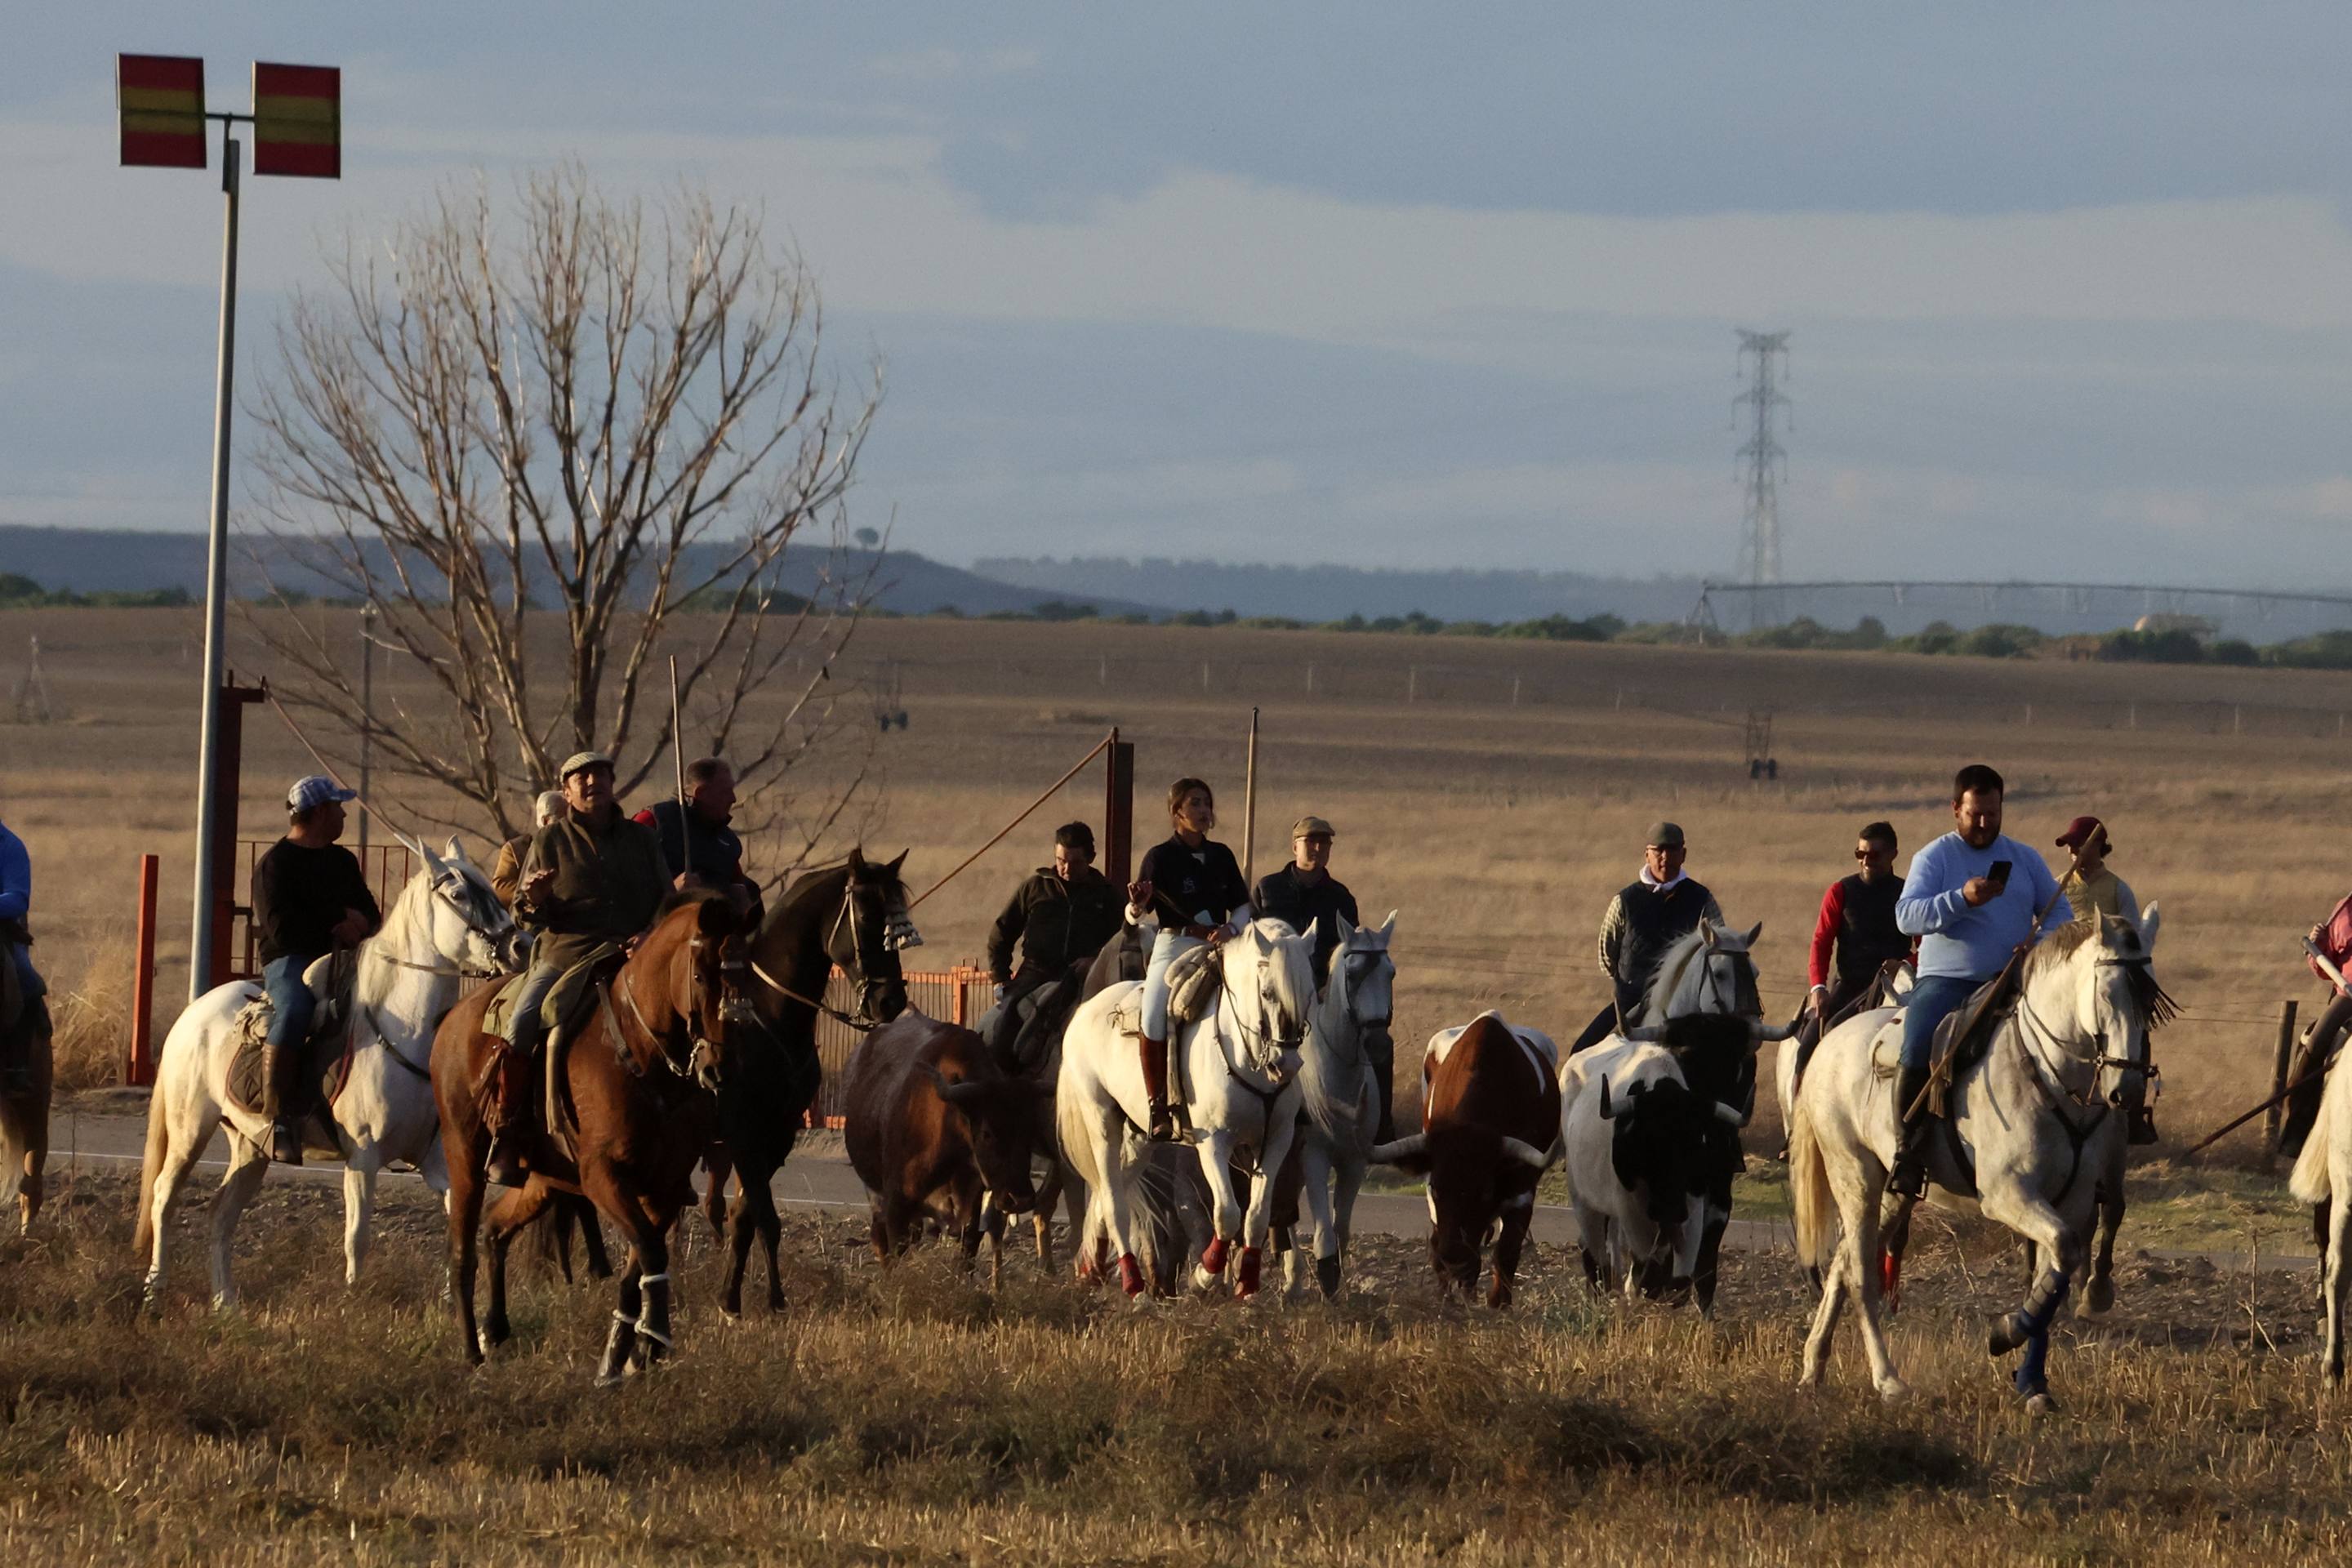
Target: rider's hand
x=2316, y=933
x=686, y=881
x=1217, y=935
x=1980, y=891
x=1816, y=997
x=351, y=931
x=997, y=991
x=534, y=886
x=1138, y=895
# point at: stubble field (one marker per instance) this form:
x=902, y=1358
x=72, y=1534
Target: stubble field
x=1494, y=795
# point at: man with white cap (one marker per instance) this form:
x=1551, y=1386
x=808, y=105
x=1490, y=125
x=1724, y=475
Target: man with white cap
x=505, y=876
x=594, y=880
x=310, y=898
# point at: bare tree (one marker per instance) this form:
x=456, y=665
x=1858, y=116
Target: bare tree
x=614, y=411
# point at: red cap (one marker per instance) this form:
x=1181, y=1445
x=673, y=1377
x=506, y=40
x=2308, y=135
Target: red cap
x=2078, y=833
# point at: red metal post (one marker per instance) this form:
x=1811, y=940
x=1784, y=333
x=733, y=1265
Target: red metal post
x=140, y=1067
x=1118, y=811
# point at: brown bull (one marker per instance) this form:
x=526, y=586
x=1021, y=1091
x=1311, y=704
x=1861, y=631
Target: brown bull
x=1490, y=1128
x=928, y=1115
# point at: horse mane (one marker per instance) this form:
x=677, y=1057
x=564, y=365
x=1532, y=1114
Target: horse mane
x=375, y=981
x=2149, y=1000
x=1679, y=955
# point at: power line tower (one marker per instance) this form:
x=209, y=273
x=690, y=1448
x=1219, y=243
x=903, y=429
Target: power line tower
x=1763, y=466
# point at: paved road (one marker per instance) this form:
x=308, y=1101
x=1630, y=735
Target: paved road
x=818, y=1176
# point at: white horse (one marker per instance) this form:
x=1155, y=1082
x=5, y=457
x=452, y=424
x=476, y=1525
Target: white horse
x=2323, y=1176
x=1237, y=1071
x=1342, y=1102
x=446, y=927
x=2032, y=1125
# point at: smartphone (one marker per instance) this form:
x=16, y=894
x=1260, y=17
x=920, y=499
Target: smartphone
x=1999, y=873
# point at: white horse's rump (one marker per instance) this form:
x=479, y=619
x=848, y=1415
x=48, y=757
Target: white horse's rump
x=2323, y=1176
x=1236, y=1069
x=446, y=924
x=2036, y=1118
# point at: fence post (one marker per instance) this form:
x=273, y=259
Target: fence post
x=1204, y=675
x=1514, y=692
x=1310, y=691
x=1412, y=683
x=2278, y=1081
x=139, y=1067
x=1118, y=811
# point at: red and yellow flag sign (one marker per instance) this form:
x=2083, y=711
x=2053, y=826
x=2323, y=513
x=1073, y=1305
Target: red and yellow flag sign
x=297, y=120
x=162, y=102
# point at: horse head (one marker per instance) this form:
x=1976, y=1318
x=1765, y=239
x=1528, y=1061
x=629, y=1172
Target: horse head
x=1709, y=971
x=864, y=938
x=463, y=921
x=706, y=984
x=1363, y=974
x=2116, y=998
x=1269, y=974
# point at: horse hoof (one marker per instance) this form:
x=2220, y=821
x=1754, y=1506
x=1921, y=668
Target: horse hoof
x=1245, y=1279
x=2009, y=1331
x=1894, y=1391
x=1131, y=1276
x=2100, y=1296
x=1327, y=1276
x=607, y=1380
x=2039, y=1403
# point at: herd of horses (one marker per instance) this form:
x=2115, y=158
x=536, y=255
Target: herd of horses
x=702, y=1051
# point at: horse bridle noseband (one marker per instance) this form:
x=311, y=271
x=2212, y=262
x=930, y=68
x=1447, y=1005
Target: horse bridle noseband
x=863, y=1026
x=695, y=1020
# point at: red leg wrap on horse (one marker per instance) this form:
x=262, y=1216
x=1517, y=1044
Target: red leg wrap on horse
x=1213, y=1257
x=1131, y=1274
x=1245, y=1276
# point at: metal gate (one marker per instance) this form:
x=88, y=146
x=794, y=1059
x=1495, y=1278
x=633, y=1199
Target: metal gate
x=958, y=995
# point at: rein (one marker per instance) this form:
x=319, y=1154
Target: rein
x=836, y=1013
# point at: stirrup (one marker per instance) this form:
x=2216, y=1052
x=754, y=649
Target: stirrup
x=285, y=1143
x=1170, y=1121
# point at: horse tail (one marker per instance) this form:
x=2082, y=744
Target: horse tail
x=159, y=1144
x=1813, y=1205
x=2311, y=1180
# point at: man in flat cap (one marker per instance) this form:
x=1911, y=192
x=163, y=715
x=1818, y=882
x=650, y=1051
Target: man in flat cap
x=310, y=898
x=1649, y=915
x=594, y=880
x=1305, y=895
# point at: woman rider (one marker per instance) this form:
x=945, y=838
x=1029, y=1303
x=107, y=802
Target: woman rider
x=1192, y=888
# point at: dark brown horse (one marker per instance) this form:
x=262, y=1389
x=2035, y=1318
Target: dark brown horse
x=838, y=918
x=639, y=1075
x=24, y=1108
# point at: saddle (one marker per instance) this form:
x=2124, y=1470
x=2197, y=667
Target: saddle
x=326, y=1057
x=578, y=992
x=1886, y=1051
x=1194, y=981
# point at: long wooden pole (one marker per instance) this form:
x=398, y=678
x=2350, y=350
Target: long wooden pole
x=1097, y=749
x=678, y=757
x=1249, y=810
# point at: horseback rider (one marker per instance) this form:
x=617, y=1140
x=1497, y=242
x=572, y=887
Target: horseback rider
x=1854, y=937
x=593, y=881
x=1648, y=915
x=310, y=898
x=1971, y=898
x=1191, y=888
x=506, y=876
x=1306, y=896
x=16, y=936
x=2091, y=887
x=697, y=839
x=1061, y=915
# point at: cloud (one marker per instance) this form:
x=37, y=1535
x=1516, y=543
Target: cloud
x=945, y=65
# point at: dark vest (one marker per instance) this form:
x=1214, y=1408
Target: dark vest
x=1654, y=921
x=1867, y=936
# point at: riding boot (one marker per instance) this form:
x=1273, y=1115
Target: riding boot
x=2141, y=1121
x=1155, y=1089
x=510, y=1098
x=1909, y=1177
x=1382, y=1052
x=280, y=1068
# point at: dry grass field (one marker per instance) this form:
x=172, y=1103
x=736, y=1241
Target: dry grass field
x=1494, y=794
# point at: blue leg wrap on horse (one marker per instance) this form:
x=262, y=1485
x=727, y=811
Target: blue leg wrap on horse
x=2032, y=1376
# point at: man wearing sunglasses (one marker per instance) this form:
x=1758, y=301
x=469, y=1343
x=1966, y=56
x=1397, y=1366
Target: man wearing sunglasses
x=1854, y=936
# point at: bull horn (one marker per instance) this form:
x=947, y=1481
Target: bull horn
x=1766, y=1034
x=1404, y=1148
x=967, y=1092
x=1528, y=1154
x=1650, y=1033
x=1607, y=1113
x=1731, y=1114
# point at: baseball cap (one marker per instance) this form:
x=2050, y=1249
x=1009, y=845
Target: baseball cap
x=1312, y=826
x=581, y=762
x=316, y=790
x=1665, y=836
x=2078, y=832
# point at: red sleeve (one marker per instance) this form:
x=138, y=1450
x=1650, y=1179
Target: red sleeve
x=1825, y=930
x=646, y=817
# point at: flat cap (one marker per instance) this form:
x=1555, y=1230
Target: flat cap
x=1312, y=826
x=1665, y=836
x=581, y=762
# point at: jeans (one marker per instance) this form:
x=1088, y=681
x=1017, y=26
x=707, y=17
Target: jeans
x=294, y=1002
x=1934, y=999
x=525, y=1029
x=1165, y=947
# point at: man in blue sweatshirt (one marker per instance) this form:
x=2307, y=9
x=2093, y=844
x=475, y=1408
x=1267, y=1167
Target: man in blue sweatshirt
x=15, y=947
x=1968, y=921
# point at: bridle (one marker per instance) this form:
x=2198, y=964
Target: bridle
x=375, y=950
x=703, y=1053
x=2052, y=1078
x=1347, y=977
x=865, y=966
x=1710, y=985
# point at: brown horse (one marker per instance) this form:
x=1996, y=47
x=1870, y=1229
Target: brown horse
x=639, y=1075
x=25, y=1112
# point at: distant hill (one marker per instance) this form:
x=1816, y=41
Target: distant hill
x=1329, y=592
x=89, y=560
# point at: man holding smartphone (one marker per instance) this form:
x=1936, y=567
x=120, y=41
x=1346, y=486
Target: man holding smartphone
x=1970, y=897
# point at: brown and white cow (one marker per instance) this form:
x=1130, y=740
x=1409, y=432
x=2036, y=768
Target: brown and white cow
x=1490, y=1128
x=929, y=1116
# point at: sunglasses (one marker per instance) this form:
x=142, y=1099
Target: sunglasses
x=1874, y=849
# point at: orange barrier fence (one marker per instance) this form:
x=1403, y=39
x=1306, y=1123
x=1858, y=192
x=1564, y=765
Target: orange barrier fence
x=959, y=995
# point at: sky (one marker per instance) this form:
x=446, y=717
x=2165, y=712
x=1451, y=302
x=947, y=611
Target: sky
x=2068, y=288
